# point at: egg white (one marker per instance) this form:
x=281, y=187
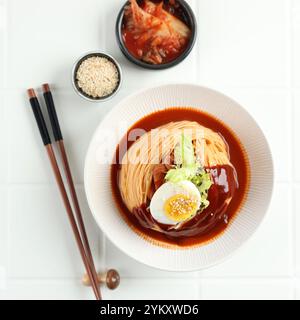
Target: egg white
x=165, y=192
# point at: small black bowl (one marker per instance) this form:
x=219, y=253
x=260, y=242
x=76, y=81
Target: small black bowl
x=189, y=19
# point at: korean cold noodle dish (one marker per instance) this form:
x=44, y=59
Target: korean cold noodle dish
x=155, y=32
x=179, y=177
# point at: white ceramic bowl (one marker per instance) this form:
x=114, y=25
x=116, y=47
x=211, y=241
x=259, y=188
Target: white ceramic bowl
x=114, y=127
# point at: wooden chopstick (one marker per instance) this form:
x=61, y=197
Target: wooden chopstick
x=61, y=147
x=47, y=143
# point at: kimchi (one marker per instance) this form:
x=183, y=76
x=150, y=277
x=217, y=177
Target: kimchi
x=154, y=32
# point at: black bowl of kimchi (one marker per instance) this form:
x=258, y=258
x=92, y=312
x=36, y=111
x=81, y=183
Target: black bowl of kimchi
x=156, y=34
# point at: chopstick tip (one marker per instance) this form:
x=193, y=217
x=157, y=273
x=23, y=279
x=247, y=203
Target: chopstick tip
x=46, y=87
x=31, y=93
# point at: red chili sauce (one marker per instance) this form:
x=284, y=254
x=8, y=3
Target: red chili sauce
x=228, y=182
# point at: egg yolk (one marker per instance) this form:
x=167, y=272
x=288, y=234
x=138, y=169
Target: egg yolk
x=180, y=207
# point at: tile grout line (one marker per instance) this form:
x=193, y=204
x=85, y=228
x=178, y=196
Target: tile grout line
x=9, y=229
x=103, y=33
x=5, y=84
x=248, y=277
x=197, y=47
x=195, y=55
x=68, y=90
x=5, y=42
x=290, y=46
x=167, y=279
x=198, y=289
x=294, y=252
x=289, y=80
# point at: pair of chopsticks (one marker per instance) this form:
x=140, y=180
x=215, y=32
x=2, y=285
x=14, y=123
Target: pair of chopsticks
x=79, y=233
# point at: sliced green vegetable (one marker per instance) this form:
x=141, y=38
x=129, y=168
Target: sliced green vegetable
x=184, y=152
x=202, y=180
x=183, y=173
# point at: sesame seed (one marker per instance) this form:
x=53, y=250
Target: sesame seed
x=182, y=206
x=97, y=77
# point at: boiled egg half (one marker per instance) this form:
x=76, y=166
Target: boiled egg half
x=173, y=203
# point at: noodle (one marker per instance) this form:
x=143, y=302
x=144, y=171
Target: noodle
x=157, y=146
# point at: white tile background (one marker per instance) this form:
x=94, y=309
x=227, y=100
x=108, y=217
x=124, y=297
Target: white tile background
x=248, y=49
